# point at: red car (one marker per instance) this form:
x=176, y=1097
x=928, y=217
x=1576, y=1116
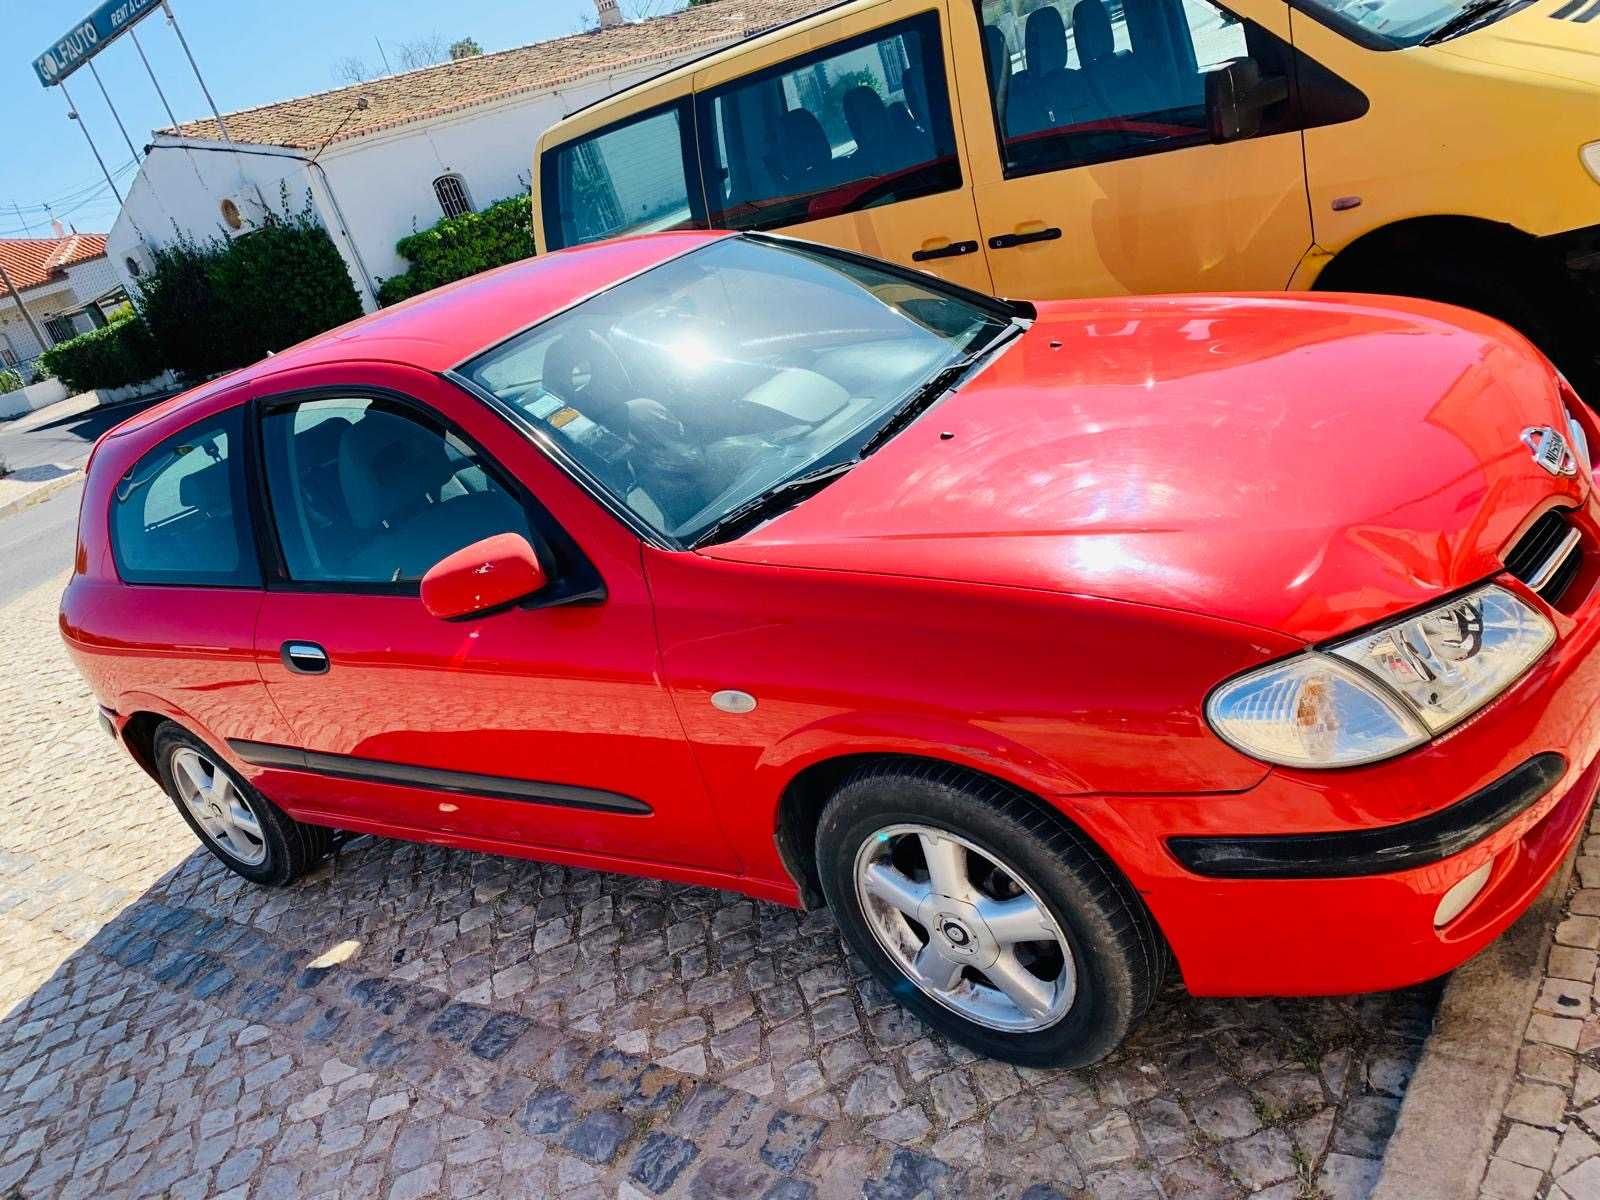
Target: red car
x=1046, y=645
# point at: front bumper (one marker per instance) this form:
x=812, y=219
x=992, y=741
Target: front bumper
x=1233, y=880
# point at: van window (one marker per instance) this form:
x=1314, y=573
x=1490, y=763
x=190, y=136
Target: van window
x=179, y=515
x=861, y=123
x=626, y=178
x=1083, y=81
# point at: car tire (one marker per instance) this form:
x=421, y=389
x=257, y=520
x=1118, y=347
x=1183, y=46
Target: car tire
x=1017, y=858
x=251, y=836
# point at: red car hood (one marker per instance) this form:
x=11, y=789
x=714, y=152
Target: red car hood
x=1303, y=465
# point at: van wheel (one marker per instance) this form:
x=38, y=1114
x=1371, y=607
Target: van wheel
x=998, y=926
x=251, y=835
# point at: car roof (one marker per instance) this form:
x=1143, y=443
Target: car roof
x=439, y=329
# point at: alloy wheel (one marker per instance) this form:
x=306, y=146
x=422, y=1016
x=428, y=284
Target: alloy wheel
x=965, y=928
x=218, y=807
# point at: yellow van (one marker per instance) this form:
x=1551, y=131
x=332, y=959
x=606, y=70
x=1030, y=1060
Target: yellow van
x=1448, y=149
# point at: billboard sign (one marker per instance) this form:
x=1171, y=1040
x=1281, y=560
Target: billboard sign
x=90, y=36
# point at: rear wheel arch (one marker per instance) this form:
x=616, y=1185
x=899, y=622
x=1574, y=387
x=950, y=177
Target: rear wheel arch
x=139, y=736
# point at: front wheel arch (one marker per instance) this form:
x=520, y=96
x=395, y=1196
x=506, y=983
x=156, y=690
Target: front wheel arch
x=807, y=794
x=1484, y=265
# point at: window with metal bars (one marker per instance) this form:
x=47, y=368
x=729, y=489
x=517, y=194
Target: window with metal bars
x=452, y=193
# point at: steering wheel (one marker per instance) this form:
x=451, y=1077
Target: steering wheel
x=581, y=368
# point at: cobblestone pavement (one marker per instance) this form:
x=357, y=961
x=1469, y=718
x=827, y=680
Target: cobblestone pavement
x=1549, y=1142
x=411, y=1021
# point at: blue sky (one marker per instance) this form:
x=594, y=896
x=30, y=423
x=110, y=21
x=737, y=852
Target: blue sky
x=250, y=51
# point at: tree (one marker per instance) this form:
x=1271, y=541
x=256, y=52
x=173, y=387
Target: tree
x=351, y=69
x=467, y=47
x=419, y=52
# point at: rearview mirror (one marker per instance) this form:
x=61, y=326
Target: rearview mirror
x=484, y=576
x=1236, y=98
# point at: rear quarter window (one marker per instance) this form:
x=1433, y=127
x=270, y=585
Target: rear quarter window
x=179, y=515
x=631, y=177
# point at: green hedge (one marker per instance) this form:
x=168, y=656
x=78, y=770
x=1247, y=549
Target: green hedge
x=113, y=356
x=460, y=246
x=10, y=381
x=217, y=305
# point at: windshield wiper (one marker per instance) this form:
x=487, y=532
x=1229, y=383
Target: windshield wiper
x=1477, y=12
x=914, y=405
x=771, y=502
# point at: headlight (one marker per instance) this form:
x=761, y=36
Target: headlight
x=1591, y=159
x=1386, y=691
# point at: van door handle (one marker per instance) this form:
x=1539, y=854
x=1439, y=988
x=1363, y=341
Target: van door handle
x=305, y=658
x=1004, y=241
x=952, y=250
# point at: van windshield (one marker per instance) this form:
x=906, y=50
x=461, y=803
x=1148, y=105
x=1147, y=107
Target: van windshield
x=1401, y=23
x=723, y=375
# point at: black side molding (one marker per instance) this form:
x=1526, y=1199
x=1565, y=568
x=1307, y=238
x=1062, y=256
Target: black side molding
x=466, y=783
x=1378, y=851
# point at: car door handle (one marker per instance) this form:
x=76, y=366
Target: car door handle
x=305, y=658
x=951, y=250
x=1004, y=241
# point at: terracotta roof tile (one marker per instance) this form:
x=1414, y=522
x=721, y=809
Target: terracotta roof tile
x=33, y=261
x=308, y=122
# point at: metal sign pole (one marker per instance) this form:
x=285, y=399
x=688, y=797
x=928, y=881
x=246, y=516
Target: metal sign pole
x=72, y=115
x=134, y=34
x=115, y=116
x=173, y=21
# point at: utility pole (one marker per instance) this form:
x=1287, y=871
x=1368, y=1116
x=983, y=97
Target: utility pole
x=23, y=309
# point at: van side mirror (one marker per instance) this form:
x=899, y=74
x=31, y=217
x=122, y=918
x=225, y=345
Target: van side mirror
x=1236, y=98
x=484, y=576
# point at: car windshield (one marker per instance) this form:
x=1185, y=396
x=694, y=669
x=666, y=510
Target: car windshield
x=695, y=388
x=1396, y=23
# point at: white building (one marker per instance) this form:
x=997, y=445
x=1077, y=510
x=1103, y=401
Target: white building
x=384, y=158
x=63, y=282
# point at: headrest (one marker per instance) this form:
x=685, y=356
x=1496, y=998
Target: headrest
x=996, y=55
x=864, y=112
x=1045, y=41
x=805, y=143
x=206, y=489
x=1091, y=29
x=389, y=466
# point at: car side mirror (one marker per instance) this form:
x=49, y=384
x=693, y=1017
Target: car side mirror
x=1236, y=98
x=482, y=577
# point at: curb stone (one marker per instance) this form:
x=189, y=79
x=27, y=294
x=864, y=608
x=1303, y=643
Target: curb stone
x=43, y=491
x=1453, y=1105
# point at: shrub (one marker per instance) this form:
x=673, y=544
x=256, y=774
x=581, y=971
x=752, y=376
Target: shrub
x=10, y=381
x=460, y=246
x=217, y=305
x=113, y=356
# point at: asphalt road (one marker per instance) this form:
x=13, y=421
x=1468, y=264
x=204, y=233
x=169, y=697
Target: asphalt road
x=67, y=439
x=36, y=542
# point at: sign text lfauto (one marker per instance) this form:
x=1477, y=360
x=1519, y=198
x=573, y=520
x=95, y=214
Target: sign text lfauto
x=88, y=37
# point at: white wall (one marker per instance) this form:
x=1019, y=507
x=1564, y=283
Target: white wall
x=180, y=188
x=383, y=183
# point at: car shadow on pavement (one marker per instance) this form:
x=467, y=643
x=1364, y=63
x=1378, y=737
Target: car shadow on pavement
x=416, y=1018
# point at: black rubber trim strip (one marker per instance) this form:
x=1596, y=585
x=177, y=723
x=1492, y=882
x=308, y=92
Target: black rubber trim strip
x=1567, y=9
x=1378, y=851
x=467, y=783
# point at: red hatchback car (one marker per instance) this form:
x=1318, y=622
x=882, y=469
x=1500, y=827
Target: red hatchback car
x=1045, y=645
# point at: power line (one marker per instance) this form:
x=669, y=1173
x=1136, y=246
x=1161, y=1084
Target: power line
x=75, y=193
